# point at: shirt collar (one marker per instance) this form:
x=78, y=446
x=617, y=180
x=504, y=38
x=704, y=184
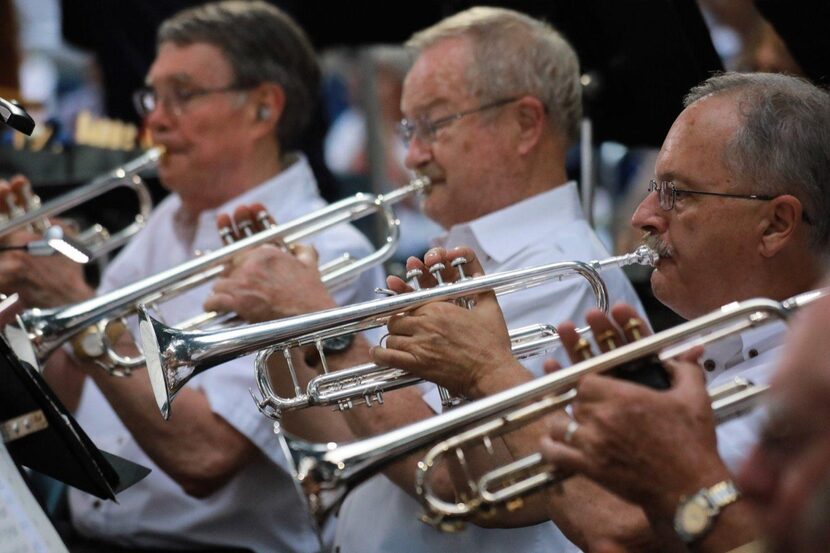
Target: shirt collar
x=502, y=233
x=292, y=185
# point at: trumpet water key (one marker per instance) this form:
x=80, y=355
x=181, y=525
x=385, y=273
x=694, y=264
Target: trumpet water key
x=325, y=472
x=40, y=331
x=175, y=356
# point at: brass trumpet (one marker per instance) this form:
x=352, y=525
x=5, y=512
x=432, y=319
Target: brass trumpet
x=39, y=332
x=96, y=240
x=175, y=356
x=325, y=472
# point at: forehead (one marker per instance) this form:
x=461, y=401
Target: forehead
x=438, y=76
x=695, y=146
x=200, y=63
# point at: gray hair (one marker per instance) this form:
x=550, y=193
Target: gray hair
x=515, y=54
x=262, y=44
x=783, y=145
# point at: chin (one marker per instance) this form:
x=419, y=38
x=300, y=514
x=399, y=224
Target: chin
x=432, y=209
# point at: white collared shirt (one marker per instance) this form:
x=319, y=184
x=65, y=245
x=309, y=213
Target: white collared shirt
x=547, y=228
x=752, y=355
x=259, y=508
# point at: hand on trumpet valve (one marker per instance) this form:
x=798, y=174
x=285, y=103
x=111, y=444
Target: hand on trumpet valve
x=650, y=447
x=622, y=327
x=267, y=282
x=466, y=351
x=41, y=281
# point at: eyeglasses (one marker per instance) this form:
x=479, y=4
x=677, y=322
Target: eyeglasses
x=425, y=130
x=147, y=99
x=667, y=195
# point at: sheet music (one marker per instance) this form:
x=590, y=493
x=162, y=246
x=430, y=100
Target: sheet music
x=24, y=527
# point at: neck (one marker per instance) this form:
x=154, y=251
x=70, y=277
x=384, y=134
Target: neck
x=782, y=277
x=539, y=171
x=232, y=180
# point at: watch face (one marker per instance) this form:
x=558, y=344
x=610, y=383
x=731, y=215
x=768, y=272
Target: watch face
x=693, y=518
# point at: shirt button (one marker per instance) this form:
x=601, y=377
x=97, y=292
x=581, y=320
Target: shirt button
x=96, y=504
x=709, y=365
x=753, y=353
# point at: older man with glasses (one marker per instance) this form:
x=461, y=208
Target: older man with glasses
x=739, y=209
x=231, y=89
x=492, y=103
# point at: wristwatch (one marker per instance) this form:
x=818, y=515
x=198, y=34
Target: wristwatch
x=696, y=514
x=330, y=346
x=338, y=344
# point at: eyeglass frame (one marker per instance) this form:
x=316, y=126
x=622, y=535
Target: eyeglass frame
x=408, y=129
x=654, y=186
x=181, y=98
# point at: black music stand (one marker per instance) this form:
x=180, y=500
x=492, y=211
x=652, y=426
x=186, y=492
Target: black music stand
x=40, y=434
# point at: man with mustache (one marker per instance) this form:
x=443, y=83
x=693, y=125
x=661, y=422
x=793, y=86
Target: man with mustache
x=739, y=209
x=492, y=103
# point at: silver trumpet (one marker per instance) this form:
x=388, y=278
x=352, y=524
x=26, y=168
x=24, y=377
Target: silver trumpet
x=174, y=356
x=39, y=332
x=507, y=485
x=96, y=240
x=326, y=472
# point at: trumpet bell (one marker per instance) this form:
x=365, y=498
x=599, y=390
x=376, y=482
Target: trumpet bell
x=163, y=384
x=314, y=476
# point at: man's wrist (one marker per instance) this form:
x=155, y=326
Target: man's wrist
x=696, y=514
x=504, y=375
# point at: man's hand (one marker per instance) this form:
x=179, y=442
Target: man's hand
x=269, y=282
x=40, y=281
x=464, y=350
x=623, y=326
x=649, y=447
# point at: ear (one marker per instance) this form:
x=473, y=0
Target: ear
x=531, y=117
x=783, y=218
x=267, y=105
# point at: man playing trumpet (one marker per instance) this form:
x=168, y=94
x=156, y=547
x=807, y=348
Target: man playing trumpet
x=739, y=210
x=228, y=95
x=492, y=103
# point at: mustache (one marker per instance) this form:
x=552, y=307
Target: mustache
x=655, y=243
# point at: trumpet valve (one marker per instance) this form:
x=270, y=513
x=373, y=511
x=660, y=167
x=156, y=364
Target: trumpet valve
x=608, y=338
x=633, y=328
x=435, y=270
x=583, y=349
x=412, y=278
x=344, y=405
x=458, y=263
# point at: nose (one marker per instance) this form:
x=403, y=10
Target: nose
x=418, y=153
x=160, y=119
x=649, y=216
